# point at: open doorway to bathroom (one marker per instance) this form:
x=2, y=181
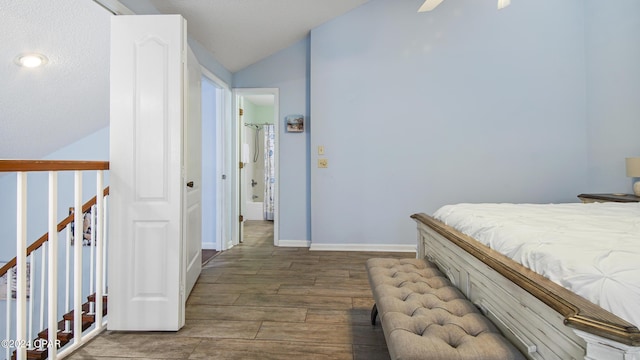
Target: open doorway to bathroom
x=258, y=152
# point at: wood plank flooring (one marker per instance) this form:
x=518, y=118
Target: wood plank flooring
x=208, y=255
x=257, y=301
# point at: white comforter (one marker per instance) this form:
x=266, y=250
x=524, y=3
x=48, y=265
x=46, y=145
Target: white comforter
x=591, y=249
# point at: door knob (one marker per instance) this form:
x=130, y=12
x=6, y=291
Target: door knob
x=190, y=184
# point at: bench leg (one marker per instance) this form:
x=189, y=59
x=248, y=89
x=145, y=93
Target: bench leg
x=374, y=314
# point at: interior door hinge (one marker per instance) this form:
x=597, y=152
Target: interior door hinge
x=241, y=165
x=241, y=218
x=240, y=111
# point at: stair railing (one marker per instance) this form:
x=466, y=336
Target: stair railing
x=22, y=271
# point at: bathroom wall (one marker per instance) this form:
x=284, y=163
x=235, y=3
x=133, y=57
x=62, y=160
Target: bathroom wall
x=254, y=165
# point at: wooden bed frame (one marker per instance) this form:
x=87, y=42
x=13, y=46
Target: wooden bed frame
x=542, y=319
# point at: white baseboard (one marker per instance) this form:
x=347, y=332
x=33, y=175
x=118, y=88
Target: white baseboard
x=363, y=247
x=294, y=243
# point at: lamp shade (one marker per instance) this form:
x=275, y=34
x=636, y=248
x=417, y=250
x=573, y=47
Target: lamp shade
x=633, y=167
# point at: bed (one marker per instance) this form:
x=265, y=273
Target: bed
x=561, y=281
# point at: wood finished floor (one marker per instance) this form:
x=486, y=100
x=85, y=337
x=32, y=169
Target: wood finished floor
x=257, y=301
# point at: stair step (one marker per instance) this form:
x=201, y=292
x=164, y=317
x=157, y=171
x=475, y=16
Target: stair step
x=92, y=298
x=37, y=354
x=86, y=317
x=65, y=337
x=43, y=354
x=33, y=354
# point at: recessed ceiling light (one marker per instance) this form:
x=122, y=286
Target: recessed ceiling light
x=31, y=60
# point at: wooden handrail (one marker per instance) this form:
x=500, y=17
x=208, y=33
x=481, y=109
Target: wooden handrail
x=51, y=165
x=44, y=238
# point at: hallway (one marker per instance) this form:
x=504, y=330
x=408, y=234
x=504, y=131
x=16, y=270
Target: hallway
x=256, y=301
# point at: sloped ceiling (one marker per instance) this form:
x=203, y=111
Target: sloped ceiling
x=241, y=32
x=44, y=109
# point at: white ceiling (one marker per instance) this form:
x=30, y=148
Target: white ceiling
x=44, y=109
x=241, y=32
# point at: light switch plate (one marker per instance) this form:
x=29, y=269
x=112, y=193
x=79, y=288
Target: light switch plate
x=320, y=150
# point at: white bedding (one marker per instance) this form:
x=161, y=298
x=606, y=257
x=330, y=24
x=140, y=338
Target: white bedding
x=590, y=249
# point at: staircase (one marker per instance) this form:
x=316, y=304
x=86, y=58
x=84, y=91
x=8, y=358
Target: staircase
x=47, y=281
x=40, y=345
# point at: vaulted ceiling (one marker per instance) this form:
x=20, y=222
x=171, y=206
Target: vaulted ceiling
x=43, y=109
x=241, y=32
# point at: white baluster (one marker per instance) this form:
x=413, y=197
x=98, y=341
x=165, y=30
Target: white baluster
x=31, y=265
x=105, y=238
x=43, y=274
x=21, y=257
x=67, y=270
x=8, y=302
x=92, y=254
x=99, y=247
x=52, y=311
x=77, y=260
x=67, y=283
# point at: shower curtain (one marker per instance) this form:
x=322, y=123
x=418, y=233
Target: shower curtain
x=269, y=172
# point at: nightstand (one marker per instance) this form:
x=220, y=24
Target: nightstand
x=624, y=198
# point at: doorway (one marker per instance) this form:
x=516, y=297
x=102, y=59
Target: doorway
x=257, y=151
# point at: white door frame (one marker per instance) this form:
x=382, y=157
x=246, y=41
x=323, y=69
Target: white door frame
x=235, y=159
x=224, y=239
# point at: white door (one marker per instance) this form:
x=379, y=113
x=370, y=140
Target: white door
x=146, y=270
x=193, y=169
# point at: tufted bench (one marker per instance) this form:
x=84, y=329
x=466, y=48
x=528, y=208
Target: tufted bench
x=424, y=316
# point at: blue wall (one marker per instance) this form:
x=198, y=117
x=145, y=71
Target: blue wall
x=613, y=91
x=288, y=71
x=462, y=104
x=533, y=103
x=209, y=62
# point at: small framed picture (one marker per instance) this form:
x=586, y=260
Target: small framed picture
x=295, y=123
